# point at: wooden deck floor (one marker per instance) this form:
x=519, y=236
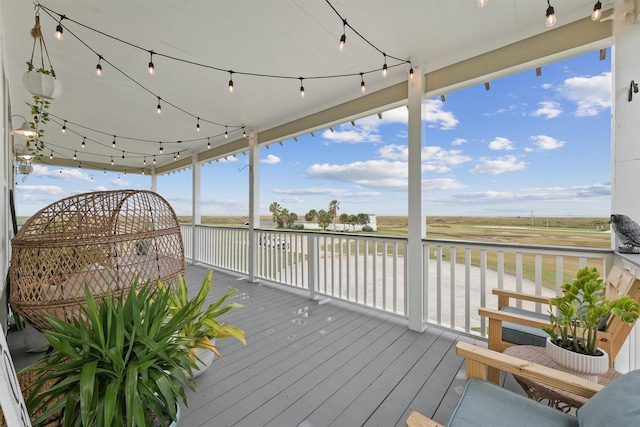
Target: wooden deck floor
x=316, y=364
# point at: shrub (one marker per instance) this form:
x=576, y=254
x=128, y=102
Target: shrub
x=367, y=229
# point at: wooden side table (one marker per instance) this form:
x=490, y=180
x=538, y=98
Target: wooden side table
x=544, y=393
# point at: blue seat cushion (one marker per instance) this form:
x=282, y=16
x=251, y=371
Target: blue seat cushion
x=485, y=404
x=523, y=335
x=617, y=404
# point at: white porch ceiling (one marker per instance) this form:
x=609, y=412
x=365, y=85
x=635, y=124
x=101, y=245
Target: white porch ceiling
x=276, y=37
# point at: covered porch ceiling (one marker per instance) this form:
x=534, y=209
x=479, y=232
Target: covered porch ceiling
x=268, y=45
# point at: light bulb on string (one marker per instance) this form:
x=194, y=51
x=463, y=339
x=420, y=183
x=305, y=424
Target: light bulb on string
x=301, y=87
x=123, y=154
x=343, y=37
x=198, y=125
x=99, y=67
x=154, y=159
x=178, y=155
x=174, y=157
x=144, y=161
x=384, y=67
x=363, y=87
x=111, y=160
x=75, y=157
x=226, y=134
x=411, y=73
x=142, y=171
x=230, y=81
x=551, y=15
x=113, y=144
x=64, y=127
x=160, y=147
x=59, y=29
x=105, y=172
x=244, y=133
x=125, y=172
x=80, y=165
x=597, y=11
x=208, y=144
x=51, y=155
x=151, y=67
x=83, y=138
x=159, y=107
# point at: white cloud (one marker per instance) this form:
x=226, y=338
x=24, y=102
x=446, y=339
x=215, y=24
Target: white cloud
x=370, y=173
x=458, y=141
x=354, y=136
x=544, y=142
x=441, y=184
x=52, y=190
x=499, y=165
x=227, y=159
x=309, y=191
x=270, y=159
x=66, y=174
x=432, y=112
x=120, y=182
x=591, y=94
x=548, y=110
x=435, y=159
x=501, y=143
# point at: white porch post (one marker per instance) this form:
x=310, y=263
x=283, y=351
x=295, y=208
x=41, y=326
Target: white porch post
x=254, y=202
x=625, y=149
x=154, y=180
x=416, y=227
x=196, y=217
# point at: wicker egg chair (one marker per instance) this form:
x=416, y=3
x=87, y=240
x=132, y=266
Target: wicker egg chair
x=108, y=239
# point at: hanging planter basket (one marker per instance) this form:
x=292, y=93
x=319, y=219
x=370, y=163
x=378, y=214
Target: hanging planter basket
x=42, y=85
x=41, y=81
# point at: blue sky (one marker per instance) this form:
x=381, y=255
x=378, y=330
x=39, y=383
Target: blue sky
x=540, y=144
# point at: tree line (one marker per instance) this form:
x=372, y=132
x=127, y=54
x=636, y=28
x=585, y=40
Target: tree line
x=285, y=219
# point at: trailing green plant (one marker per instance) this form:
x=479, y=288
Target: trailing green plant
x=40, y=115
x=582, y=308
x=116, y=363
x=204, y=326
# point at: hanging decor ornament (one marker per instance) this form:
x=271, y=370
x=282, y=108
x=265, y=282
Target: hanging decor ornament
x=41, y=81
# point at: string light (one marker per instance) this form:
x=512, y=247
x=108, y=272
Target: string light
x=111, y=160
x=59, y=29
x=142, y=171
x=174, y=157
x=74, y=155
x=154, y=159
x=551, y=15
x=144, y=161
x=125, y=172
x=363, y=87
x=79, y=165
x=384, y=67
x=51, y=155
x=208, y=144
x=105, y=172
x=343, y=37
x=64, y=127
x=244, y=133
x=230, y=81
x=113, y=144
x=83, y=138
x=159, y=107
x=151, y=67
x=597, y=11
x=198, y=125
x=301, y=87
x=226, y=134
x=160, y=147
x=123, y=154
x=411, y=73
x=99, y=67
x=482, y=3
x=178, y=155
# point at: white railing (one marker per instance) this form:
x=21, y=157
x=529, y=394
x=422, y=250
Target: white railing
x=371, y=271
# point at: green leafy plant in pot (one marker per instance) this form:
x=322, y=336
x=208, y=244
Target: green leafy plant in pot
x=576, y=317
x=200, y=333
x=118, y=364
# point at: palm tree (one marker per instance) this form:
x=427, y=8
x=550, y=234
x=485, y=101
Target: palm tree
x=334, y=206
x=275, y=209
x=363, y=219
x=311, y=215
x=344, y=220
x=323, y=219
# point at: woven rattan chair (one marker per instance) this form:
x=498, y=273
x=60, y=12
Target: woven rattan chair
x=107, y=239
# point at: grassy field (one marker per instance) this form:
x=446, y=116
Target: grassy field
x=568, y=231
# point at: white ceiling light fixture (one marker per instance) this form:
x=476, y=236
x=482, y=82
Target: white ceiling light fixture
x=25, y=130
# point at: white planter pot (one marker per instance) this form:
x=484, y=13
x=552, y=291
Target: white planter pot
x=204, y=359
x=582, y=365
x=42, y=85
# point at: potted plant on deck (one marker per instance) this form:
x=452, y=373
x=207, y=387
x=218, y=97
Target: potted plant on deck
x=118, y=363
x=579, y=313
x=200, y=333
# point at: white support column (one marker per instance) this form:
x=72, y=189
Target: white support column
x=254, y=202
x=625, y=149
x=154, y=180
x=416, y=227
x=196, y=217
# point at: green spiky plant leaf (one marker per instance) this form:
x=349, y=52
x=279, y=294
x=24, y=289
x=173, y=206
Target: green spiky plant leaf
x=116, y=363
